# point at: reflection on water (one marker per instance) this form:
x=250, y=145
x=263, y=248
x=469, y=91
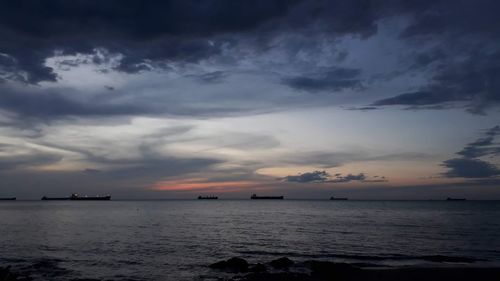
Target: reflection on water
x=159, y=240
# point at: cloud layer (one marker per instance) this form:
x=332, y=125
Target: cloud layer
x=469, y=166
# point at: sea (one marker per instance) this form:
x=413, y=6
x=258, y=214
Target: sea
x=178, y=239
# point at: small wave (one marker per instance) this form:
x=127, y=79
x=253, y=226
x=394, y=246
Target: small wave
x=396, y=257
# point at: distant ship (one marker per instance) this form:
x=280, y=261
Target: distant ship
x=8, y=199
x=75, y=196
x=254, y=196
x=207, y=197
x=338, y=198
x=455, y=199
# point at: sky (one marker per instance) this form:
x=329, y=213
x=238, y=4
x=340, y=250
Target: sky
x=366, y=99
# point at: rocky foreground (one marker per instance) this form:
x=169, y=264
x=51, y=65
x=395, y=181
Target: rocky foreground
x=285, y=269
x=7, y=275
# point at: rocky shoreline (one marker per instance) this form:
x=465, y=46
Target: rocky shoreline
x=285, y=269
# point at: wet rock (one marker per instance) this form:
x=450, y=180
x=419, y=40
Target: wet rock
x=281, y=276
x=219, y=265
x=258, y=268
x=325, y=270
x=232, y=264
x=281, y=263
x=7, y=275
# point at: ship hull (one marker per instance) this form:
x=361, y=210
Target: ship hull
x=73, y=198
x=8, y=199
x=267, y=197
x=104, y=198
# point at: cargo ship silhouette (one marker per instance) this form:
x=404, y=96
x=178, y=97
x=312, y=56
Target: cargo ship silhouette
x=7, y=198
x=75, y=196
x=207, y=197
x=254, y=196
x=338, y=198
x=455, y=199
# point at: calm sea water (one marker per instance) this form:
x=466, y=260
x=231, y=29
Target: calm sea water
x=175, y=240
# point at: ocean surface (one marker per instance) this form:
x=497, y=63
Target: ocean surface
x=177, y=239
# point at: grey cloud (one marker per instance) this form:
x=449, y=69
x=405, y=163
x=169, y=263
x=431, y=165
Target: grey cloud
x=49, y=104
x=470, y=168
x=349, y=177
x=483, y=146
x=415, y=99
x=324, y=177
x=149, y=33
x=33, y=159
x=362, y=108
x=457, y=18
x=91, y=171
x=211, y=77
x=473, y=81
x=332, y=80
x=316, y=176
x=183, y=32
x=326, y=159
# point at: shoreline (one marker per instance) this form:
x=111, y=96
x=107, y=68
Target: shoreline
x=319, y=270
x=238, y=269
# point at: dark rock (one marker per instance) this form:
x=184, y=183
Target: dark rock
x=232, y=264
x=328, y=270
x=281, y=276
x=7, y=275
x=258, y=268
x=218, y=265
x=283, y=262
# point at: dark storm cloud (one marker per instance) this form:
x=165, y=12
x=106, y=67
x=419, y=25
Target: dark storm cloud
x=152, y=34
x=52, y=103
x=141, y=31
x=469, y=166
x=483, y=146
x=465, y=57
x=34, y=159
x=362, y=108
x=316, y=176
x=325, y=177
x=415, y=99
x=474, y=81
x=348, y=178
x=149, y=32
x=48, y=104
x=331, y=80
x=211, y=77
